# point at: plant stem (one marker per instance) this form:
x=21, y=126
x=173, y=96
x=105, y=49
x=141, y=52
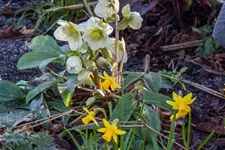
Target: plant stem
x=77, y=6
x=206, y=140
x=184, y=134
x=189, y=130
x=171, y=136
x=97, y=80
x=116, y=47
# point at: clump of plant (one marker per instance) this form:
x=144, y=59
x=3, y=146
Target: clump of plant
x=47, y=13
x=90, y=95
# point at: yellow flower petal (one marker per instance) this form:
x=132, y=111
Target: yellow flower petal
x=175, y=96
x=115, y=138
x=106, y=75
x=106, y=84
x=172, y=103
x=95, y=121
x=106, y=123
x=86, y=120
x=172, y=116
x=120, y=132
x=108, y=135
x=86, y=110
x=102, y=130
x=187, y=97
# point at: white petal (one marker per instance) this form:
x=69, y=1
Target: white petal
x=126, y=11
x=136, y=21
x=62, y=22
x=108, y=29
x=103, y=11
x=59, y=34
x=75, y=44
x=74, y=64
x=117, y=5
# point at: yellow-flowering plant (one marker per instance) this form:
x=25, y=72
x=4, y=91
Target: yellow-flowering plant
x=91, y=94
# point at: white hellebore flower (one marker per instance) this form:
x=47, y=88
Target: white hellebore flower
x=69, y=32
x=74, y=65
x=96, y=21
x=96, y=37
x=121, y=49
x=134, y=19
x=106, y=8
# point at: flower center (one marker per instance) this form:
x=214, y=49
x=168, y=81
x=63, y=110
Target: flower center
x=96, y=35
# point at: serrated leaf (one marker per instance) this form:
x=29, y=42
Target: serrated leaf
x=156, y=99
x=39, y=89
x=33, y=59
x=9, y=91
x=66, y=89
x=124, y=109
x=132, y=78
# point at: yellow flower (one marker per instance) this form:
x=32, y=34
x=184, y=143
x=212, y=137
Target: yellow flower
x=90, y=117
x=109, y=82
x=181, y=104
x=111, y=130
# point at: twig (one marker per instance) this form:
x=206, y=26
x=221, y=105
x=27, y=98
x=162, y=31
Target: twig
x=47, y=110
x=182, y=45
x=88, y=7
x=205, y=89
x=47, y=119
x=205, y=69
x=77, y=6
x=147, y=63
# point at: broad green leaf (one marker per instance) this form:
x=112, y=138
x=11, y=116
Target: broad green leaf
x=154, y=80
x=58, y=105
x=45, y=44
x=10, y=117
x=156, y=99
x=124, y=109
x=33, y=59
x=9, y=91
x=66, y=89
x=152, y=119
x=44, y=63
x=36, y=103
x=39, y=89
x=132, y=78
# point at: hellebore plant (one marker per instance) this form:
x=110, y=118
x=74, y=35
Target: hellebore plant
x=92, y=79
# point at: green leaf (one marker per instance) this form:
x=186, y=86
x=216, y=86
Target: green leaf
x=153, y=120
x=33, y=59
x=45, y=44
x=123, y=24
x=156, y=99
x=44, y=63
x=154, y=80
x=39, y=89
x=124, y=109
x=66, y=89
x=132, y=78
x=9, y=91
x=36, y=103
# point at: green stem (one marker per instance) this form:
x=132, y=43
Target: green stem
x=184, y=134
x=97, y=79
x=189, y=130
x=171, y=136
x=206, y=140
